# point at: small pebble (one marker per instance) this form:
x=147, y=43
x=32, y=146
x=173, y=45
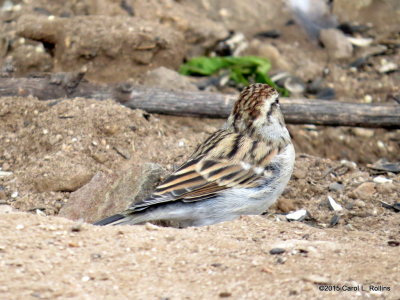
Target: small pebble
x=298, y=215
x=299, y=173
x=5, y=174
x=380, y=144
x=14, y=195
x=225, y=294
x=275, y=251
x=40, y=212
x=350, y=164
x=334, y=205
x=336, y=187
x=334, y=220
x=76, y=227
x=281, y=260
x=359, y=203
x=367, y=98
x=363, y=132
x=382, y=179
x=387, y=67
x=393, y=243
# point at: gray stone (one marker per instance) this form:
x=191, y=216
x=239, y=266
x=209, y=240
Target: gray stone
x=336, y=187
x=275, y=251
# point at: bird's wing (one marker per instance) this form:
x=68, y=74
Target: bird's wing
x=204, y=177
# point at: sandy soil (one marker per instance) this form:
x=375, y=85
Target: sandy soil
x=66, y=260
x=50, y=150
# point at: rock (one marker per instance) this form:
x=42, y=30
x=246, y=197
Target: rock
x=298, y=215
x=168, y=79
x=270, y=52
x=393, y=243
x=383, y=165
x=336, y=187
x=299, y=173
x=128, y=44
x=107, y=194
x=336, y=43
x=387, y=67
x=294, y=85
x=275, y=251
x=382, y=179
x=334, y=205
x=359, y=203
x=385, y=188
x=61, y=176
x=364, y=191
x=363, y=132
x=372, y=51
x=334, y=220
x=368, y=99
x=359, y=41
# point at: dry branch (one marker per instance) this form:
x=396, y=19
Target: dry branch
x=296, y=111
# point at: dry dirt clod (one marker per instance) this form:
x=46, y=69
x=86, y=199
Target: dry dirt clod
x=64, y=177
x=168, y=79
x=285, y=205
x=364, y=191
x=336, y=43
x=107, y=194
x=299, y=173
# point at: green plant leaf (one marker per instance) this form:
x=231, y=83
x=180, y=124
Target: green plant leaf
x=242, y=69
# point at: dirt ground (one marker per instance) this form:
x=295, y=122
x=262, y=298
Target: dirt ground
x=51, y=150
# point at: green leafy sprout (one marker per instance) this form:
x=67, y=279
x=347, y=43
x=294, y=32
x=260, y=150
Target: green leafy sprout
x=242, y=69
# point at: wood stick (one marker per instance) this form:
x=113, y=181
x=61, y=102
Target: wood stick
x=200, y=104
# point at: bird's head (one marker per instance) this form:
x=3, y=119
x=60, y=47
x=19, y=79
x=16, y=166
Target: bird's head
x=256, y=109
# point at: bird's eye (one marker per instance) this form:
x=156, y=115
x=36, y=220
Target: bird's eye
x=277, y=100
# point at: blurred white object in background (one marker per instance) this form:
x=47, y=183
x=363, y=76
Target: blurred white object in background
x=313, y=15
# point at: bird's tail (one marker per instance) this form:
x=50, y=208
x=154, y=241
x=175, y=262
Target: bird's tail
x=112, y=220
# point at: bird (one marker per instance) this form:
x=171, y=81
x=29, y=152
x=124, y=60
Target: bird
x=241, y=169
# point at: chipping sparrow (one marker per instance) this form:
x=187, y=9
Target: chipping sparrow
x=241, y=169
